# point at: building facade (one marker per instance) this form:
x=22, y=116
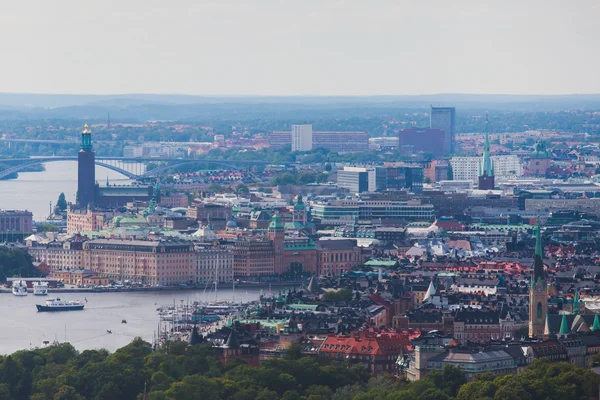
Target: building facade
x=145, y=261
x=15, y=224
x=335, y=257
x=83, y=220
x=341, y=142
x=343, y=212
x=422, y=140
x=253, y=258
x=355, y=179
x=469, y=168
x=213, y=264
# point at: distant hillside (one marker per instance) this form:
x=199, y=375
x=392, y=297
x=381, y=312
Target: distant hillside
x=144, y=107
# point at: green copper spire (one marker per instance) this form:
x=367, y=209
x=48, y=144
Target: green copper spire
x=576, y=303
x=299, y=204
x=487, y=167
x=564, y=329
x=596, y=325
x=86, y=138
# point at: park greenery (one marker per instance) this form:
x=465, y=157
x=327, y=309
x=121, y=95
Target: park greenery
x=342, y=295
x=61, y=203
x=15, y=262
x=178, y=371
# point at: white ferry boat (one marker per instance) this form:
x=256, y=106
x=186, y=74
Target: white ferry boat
x=40, y=288
x=19, y=288
x=60, y=305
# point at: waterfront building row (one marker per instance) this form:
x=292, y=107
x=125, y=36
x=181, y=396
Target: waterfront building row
x=160, y=262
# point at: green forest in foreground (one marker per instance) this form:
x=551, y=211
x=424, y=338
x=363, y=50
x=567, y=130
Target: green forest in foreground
x=182, y=372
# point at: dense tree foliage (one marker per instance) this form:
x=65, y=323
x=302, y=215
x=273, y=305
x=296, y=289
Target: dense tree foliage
x=15, y=262
x=61, y=203
x=181, y=372
x=337, y=295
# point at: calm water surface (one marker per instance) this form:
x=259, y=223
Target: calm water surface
x=35, y=190
x=24, y=327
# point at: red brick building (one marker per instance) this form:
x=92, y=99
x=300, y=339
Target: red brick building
x=377, y=351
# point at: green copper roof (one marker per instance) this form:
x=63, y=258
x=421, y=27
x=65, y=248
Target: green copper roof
x=576, y=303
x=596, y=325
x=540, y=150
x=381, y=263
x=276, y=222
x=299, y=204
x=564, y=329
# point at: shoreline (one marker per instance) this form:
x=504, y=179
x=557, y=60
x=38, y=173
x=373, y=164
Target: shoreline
x=260, y=285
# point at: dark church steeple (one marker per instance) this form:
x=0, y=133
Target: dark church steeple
x=486, y=179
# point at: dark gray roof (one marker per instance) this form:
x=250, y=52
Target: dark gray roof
x=232, y=341
x=474, y=316
x=337, y=244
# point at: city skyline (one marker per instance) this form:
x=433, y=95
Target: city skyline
x=302, y=48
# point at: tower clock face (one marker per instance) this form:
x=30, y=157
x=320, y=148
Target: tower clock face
x=539, y=290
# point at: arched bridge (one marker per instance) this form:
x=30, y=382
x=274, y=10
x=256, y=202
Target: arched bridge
x=117, y=164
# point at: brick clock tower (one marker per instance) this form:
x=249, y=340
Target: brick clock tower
x=538, y=296
x=86, y=173
x=486, y=179
x=277, y=235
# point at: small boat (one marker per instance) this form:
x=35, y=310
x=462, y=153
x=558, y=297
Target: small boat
x=123, y=321
x=40, y=288
x=60, y=305
x=19, y=288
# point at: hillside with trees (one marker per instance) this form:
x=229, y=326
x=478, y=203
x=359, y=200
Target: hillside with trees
x=181, y=372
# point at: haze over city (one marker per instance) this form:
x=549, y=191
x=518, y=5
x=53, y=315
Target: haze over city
x=312, y=47
x=300, y=200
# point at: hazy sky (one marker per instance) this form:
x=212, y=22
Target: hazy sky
x=292, y=47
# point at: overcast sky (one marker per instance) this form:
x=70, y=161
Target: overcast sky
x=294, y=47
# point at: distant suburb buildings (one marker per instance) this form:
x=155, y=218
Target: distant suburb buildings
x=303, y=138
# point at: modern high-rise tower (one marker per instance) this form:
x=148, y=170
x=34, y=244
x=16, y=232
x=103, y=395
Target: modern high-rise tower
x=302, y=137
x=86, y=174
x=538, y=297
x=443, y=118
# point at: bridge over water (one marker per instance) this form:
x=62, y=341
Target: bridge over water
x=118, y=164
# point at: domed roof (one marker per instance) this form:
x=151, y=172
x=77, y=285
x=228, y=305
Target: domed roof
x=231, y=224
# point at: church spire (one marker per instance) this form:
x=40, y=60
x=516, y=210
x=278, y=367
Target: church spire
x=564, y=328
x=538, y=259
x=576, y=303
x=487, y=168
x=596, y=325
